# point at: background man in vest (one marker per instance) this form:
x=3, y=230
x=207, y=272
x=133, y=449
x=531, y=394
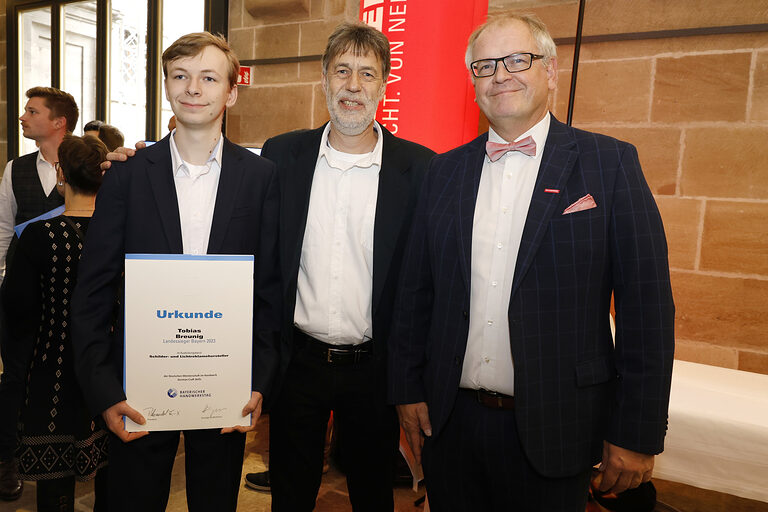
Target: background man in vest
x=28, y=189
x=28, y=186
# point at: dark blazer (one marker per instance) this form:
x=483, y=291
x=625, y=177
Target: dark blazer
x=137, y=212
x=573, y=389
x=403, y=165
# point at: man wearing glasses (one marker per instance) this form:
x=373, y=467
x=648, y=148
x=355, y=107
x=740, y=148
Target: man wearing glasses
x=501, y=355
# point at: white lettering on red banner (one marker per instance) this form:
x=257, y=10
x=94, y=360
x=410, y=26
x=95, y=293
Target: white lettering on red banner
x=429, y=97
x=372, y=13
x=375, y=13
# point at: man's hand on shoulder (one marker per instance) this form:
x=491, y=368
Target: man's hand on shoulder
x=113, y=417
x=414, y=418
x=622, y=469
x=121, y=154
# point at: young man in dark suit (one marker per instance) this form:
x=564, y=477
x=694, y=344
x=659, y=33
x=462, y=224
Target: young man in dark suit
x=347, y=195
x=194, y=192
x=501, y=355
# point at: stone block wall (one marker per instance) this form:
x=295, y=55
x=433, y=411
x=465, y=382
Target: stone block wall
x=696, y=107
x=285, y=92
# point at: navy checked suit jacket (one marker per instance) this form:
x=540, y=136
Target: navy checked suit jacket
x=573, y=388
x=137, y=212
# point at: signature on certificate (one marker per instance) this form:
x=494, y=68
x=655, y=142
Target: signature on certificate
x=212, y=412
x=154, y=412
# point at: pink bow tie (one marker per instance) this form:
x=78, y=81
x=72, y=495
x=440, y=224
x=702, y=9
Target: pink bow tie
x=495, y=150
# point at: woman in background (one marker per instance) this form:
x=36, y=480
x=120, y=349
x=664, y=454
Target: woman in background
x=60, y=441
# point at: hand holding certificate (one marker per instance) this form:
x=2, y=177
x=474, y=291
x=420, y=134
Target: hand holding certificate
x=113, y=418
x=188, y=342
x=252, y=408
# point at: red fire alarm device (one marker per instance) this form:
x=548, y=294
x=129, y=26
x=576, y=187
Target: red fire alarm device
x=244, y=76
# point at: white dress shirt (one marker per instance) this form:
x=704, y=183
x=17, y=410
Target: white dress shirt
x=503, y=198
x=196, y=187
x=335, y=281
x=9, y=207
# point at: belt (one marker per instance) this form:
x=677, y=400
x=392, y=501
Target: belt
x=336, y=355
x=492, y=399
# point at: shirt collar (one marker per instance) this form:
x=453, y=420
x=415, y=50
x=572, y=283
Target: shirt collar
x=180, y=167
x=365, y=160
x=41, y=159
x=539, y=132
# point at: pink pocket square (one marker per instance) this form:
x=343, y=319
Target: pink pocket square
x=585, y=203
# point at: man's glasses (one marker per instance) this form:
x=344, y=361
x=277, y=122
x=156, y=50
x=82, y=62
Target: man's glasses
x=514, y=63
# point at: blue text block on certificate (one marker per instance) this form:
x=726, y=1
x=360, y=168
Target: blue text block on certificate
x=188, y=339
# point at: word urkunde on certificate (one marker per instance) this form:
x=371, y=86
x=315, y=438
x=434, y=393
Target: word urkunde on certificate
x=188, y=340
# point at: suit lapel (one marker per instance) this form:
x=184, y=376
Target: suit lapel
x=391, y=205
x=471, y=170
x=297, y=185
x=230, y=178
x=160, y=175
x=557, y=163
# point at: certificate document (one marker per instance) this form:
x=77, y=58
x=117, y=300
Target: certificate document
x=188, y=340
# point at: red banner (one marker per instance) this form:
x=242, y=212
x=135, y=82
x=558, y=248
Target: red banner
x=429, y=98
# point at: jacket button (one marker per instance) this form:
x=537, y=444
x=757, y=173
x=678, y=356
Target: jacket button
x=457, y=360
x=465, y=314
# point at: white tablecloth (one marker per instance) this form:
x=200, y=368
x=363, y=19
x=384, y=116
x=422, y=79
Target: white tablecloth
x=718, y=431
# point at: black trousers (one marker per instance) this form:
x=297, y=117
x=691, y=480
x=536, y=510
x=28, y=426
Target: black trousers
x=58, y=495
x=367, y=428
x=140, y=471
x=478, y=463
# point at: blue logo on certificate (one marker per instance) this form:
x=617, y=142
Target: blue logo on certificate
x=172, y=393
